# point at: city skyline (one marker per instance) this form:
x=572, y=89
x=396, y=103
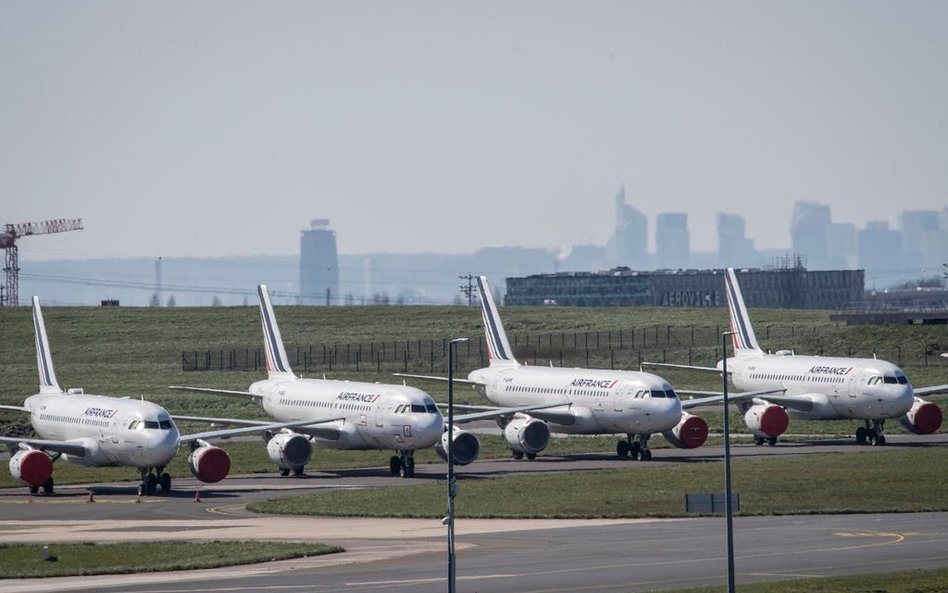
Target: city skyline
x=173, y=132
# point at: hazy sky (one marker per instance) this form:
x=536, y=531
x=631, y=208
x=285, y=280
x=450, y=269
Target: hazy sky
x=221, y=128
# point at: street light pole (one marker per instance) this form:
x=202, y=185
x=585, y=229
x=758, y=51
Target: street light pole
x=728, y=510
x=452, y=481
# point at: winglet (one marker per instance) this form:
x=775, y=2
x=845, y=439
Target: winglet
x=44, y=358
x=498, y=348
x=745, y=341
x=278, y=365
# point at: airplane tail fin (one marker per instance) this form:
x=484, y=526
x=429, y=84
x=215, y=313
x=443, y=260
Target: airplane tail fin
x=44, y=358
x=278, y=365
x=498, y=348
x=745, y=342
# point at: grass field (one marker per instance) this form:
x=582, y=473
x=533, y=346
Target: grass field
x=876, y=481
x=907, y=581
x=27, y=561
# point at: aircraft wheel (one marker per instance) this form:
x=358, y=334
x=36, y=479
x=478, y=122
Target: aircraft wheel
x=648, y=455
x=622, y=449
x=395, y=465
x=408, y=468
x=299, y=471
x=34, y=489
x=880, y=440
x=518, y=454
x=531, y=456
x=873, y=438
x=165, y=482
x=861, y=435
x=772, y=441
x=758, y=441
x=284, y=471
x=151, y=482
x=635, y=450
x=48, y=486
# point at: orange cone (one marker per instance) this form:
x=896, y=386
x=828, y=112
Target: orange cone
x=197, y=496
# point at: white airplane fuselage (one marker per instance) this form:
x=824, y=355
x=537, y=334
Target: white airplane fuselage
x=603, y=402
x=374, y=416
x=114, y=431
x=838, y=388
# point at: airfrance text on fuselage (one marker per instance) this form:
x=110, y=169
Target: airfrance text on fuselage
x=831, y=370
x=598, y=383
x=99, y=412
x=351, y=396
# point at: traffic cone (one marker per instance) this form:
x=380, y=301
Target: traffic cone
x=91, y=496
x=197, y=496
x=30, y=499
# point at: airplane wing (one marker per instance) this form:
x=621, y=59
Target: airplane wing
x=15, y=408
x=712, y=397
x=434, y=378
x=545, y=412
x=67, y=447
x=683, y=366
x=227, y=392
x=320, y=428
x=920, y=391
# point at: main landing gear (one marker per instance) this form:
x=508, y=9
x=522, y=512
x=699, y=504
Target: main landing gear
x=403, y=464
x=298, y=472
x=152, y=480
x=636, y=446
x=47, y=487
x=772, y=441
x=519, y=455
x=871, y=435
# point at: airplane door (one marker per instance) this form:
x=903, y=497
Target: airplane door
x=380, y=412
x=617, y=399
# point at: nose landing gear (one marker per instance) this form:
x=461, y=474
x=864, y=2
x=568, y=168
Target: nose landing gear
x=871, y=434
x=403, y=464
x=635, y=446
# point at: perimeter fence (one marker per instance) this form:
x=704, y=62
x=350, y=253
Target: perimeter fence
x=615, y=349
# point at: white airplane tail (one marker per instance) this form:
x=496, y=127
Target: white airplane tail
x=44, y=358
x=498, y=348
x=745, y=342
x=278, y=366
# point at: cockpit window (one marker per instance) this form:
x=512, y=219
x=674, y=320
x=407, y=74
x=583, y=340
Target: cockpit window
x=417, y=409
x=902, y=379
x=165, y=424
x=135, y=425
x=431, y=408
x=891, y=380
x=875, y=380
x=670, y=394
x=151, y=424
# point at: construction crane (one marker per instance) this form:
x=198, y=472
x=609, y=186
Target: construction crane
x=8, y=239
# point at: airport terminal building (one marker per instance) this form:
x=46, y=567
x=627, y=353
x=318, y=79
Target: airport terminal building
x=781, y=288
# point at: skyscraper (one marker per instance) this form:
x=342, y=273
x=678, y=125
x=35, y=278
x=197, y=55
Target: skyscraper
x=734, y=248
x=629, y=243
x=809, y=233
x=672, y=241
x=319, y=264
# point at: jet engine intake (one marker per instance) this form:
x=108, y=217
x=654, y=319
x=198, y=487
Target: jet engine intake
x=290, y=450
x=690, y=432
x=466, y=446
x=527, y=435
x=766, y=420
x=31, y=467
x=922, y=418
x=209, y=463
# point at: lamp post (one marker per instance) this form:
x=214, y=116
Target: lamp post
x=728, y=510
x=452, y=481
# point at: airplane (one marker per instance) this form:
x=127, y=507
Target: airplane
x=103, y=431
x=817, y=387
x=355, y=415
x=633, y=403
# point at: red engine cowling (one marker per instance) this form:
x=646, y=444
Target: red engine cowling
x=466, y=446
x=690, y=433
x=527, y=435
x=31, y=467
x=209, y=463
x=766, y=420
x=922, y=418
x=290, y=450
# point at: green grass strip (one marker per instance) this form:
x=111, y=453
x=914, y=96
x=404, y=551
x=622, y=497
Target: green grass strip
x=894, y=480
x=27, y=560
x=907, y=581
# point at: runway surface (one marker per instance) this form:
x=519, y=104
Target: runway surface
x=494, y=555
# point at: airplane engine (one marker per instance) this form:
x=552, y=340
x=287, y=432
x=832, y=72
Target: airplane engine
x=766, y=420
x=527, y=435
x=31, y=467
x=922, y=418
x=209, y=463
x=290, y=450
x=466, y=445
x=690, y=432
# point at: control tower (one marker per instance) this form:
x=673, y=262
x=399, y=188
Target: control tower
x=319, y=264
